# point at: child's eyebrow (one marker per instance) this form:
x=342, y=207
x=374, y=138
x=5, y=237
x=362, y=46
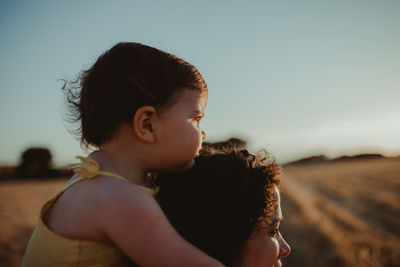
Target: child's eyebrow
x=198, y=113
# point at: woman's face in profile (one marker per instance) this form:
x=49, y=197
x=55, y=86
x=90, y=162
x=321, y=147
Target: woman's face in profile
x=266, y=245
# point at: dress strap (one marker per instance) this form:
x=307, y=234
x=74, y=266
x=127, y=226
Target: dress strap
x=89, y=168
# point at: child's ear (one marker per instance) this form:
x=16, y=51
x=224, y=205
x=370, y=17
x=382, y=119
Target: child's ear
x=143, y=123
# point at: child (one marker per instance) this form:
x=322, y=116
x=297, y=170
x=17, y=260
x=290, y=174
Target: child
x=141, y=108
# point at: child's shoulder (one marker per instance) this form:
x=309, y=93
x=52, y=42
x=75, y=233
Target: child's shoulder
x=89, y=207
x=113, y=193
x=129, y=213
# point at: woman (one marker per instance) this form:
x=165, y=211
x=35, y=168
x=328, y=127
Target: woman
x=228, y=205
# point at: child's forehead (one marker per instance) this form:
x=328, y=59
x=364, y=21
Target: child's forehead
x=187, y=94
x=193, y=99
x=193, y=92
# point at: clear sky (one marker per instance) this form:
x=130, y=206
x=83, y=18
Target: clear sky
x=296, y=77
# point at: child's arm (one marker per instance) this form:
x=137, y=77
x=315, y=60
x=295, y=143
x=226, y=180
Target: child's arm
x=135, y=223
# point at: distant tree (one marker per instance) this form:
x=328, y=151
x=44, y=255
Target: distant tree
x=36, y=162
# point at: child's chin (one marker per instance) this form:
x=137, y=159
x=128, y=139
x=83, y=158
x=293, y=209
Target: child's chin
x=180, y=168
x=186, y=166
x=189, y=165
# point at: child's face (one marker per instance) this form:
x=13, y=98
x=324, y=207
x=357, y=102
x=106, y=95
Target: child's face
x=179, y=135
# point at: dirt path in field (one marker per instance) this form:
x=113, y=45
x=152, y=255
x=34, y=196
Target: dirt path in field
x=348, y=211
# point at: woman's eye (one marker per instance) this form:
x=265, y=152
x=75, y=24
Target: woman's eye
x=274, y=232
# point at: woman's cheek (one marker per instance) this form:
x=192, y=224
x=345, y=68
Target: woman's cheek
x=275, y=254
x=276, y=248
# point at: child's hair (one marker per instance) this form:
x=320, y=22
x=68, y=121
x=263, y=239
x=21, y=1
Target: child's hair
x=123, y=79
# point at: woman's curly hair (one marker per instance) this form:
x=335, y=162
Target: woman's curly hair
x=217, y=204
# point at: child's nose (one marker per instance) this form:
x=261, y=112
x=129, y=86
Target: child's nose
x=203, y=135
x=284, y=248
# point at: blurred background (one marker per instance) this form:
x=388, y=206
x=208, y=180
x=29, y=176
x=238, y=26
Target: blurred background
x=316, y=83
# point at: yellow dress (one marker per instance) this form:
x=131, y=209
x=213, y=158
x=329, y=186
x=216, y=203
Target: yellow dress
x=46, y=248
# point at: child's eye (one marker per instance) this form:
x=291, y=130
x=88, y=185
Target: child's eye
x=198, y=119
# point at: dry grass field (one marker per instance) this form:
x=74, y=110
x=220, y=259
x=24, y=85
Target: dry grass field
x=343, y=213
x=336, y=214
x=20, y=202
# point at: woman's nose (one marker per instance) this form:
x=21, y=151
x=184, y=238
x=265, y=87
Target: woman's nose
x=284, y=248
x=203, y=135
